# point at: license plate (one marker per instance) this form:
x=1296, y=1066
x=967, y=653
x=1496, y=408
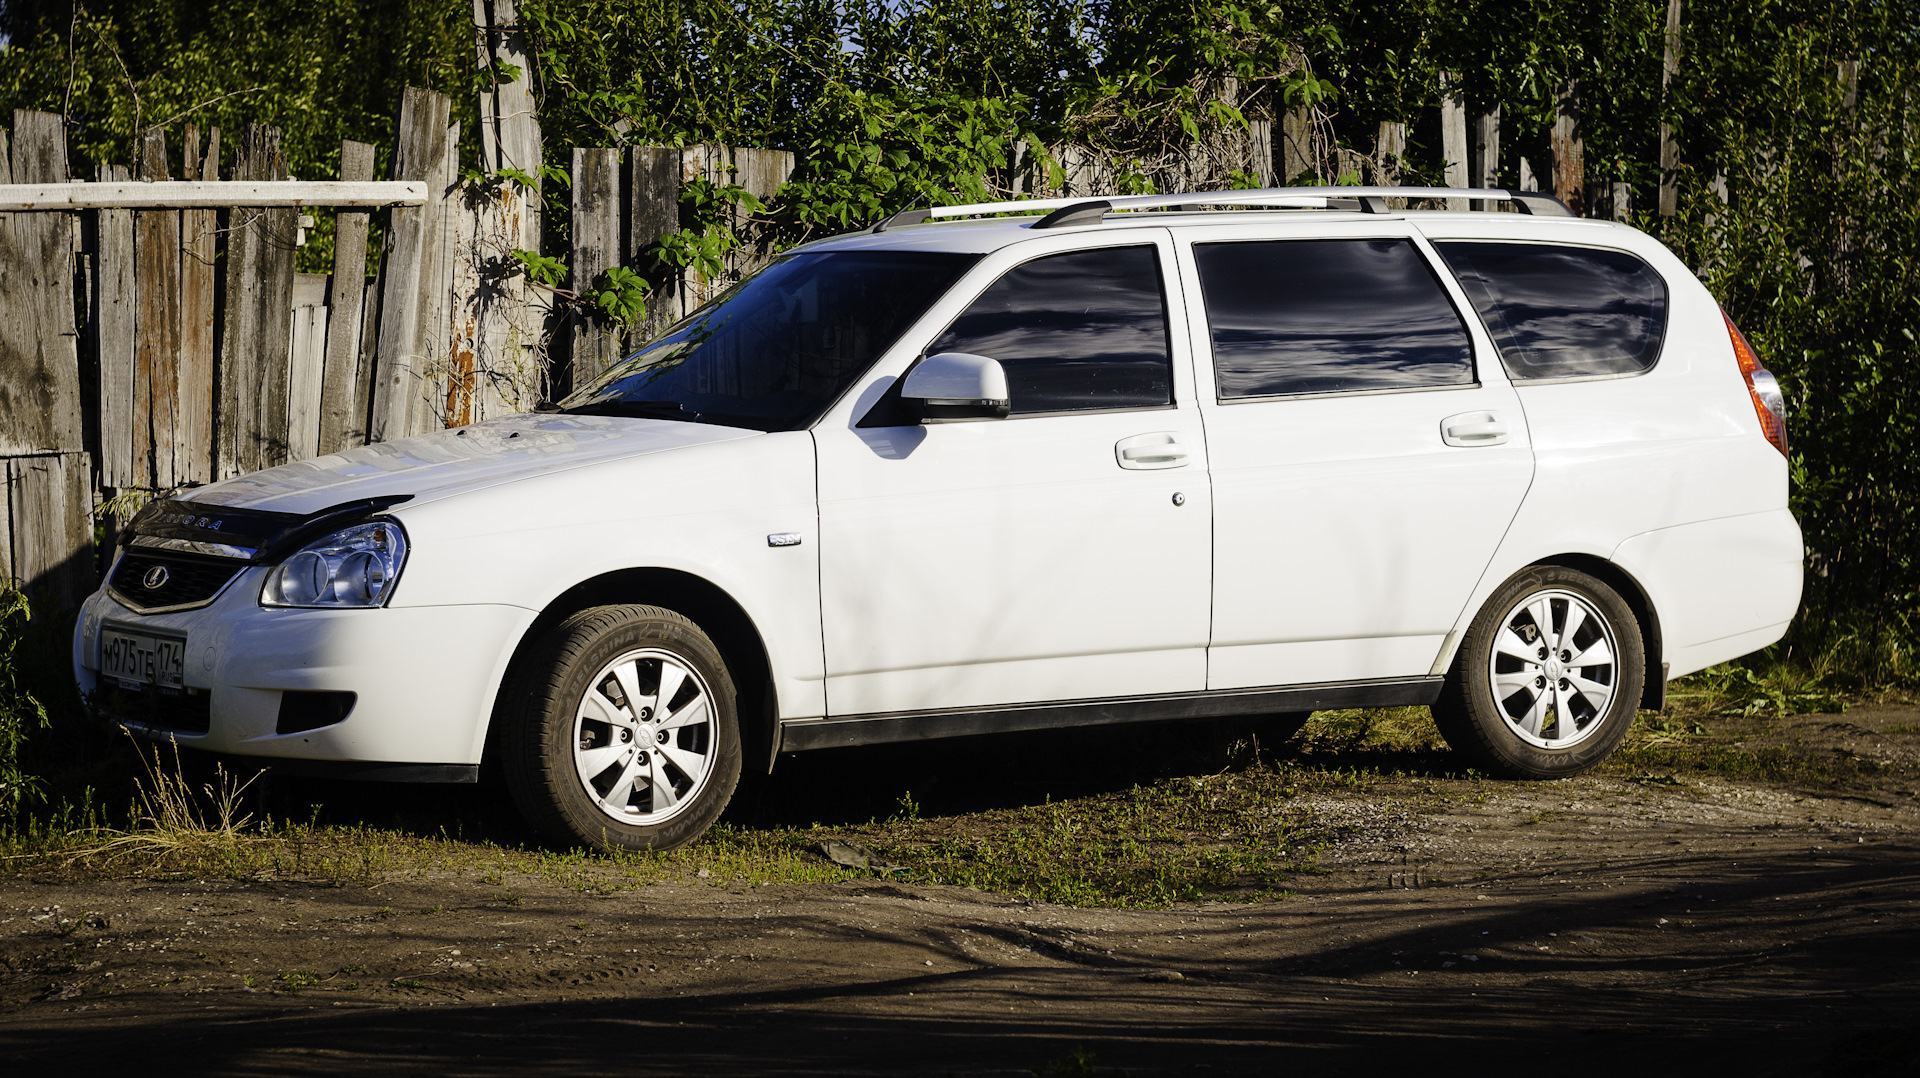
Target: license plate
x=141, y=658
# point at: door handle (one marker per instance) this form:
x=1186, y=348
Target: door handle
x=1474, y=428
x=1147, y=452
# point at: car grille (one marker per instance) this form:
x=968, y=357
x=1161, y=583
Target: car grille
x=188, y=711
x=191, y=580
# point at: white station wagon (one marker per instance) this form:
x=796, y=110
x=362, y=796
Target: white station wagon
x=1143, y=458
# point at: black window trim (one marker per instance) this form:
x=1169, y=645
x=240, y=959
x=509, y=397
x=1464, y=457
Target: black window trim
x=1473, y=347
x=1523, y=383
x=1166, y=309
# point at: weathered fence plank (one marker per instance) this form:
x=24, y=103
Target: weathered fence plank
x=39, y=354
x=343, y=411
x=420, y=147
x=761, y=172
x=252, y=409
x=1484, y=158
x=1453, y=136
x=596, y=248
x=50, y=501
x=199, y=235
x=1296, y=145
x=1569, y=149
x=112, y=334
x=427, y=409
x=1669, y=146
x=653, y=212
x=156, y=362
x=306, y=364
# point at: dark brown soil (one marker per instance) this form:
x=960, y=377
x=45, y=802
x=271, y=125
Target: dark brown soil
x=1604, y=924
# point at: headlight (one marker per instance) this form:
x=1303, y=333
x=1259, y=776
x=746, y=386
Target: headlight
x=352, y=567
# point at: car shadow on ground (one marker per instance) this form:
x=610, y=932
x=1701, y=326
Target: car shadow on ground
x=1831, y=993
x=842, y=787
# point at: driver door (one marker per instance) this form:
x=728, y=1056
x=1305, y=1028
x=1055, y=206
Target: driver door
x=1061, y=553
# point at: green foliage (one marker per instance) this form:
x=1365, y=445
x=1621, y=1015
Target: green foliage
x=620, y=295
x=707, y=210
x=20, y=712
x=541, y=269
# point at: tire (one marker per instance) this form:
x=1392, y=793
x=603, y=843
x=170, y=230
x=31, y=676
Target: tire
x=590, y=698
x=1506, y=708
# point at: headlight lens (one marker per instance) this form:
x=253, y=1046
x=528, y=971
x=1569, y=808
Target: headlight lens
x=352, y=567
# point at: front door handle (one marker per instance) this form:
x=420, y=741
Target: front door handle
x=1147, y=452
x=1474, y=428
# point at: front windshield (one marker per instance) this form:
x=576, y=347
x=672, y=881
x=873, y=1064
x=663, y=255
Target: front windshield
x=775, y=350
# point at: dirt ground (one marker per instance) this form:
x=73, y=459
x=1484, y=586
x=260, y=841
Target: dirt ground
x=1602, y=923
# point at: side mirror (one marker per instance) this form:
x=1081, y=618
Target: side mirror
x=956, y=385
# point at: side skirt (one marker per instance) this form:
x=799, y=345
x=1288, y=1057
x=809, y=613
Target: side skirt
x=802, y=735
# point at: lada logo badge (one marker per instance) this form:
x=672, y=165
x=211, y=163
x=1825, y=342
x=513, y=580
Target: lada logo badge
x=156, y=578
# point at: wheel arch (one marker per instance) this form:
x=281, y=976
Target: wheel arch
x=1654, y=694
x=706, y=604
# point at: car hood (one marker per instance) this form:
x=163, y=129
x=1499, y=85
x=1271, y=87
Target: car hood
x=428, y=467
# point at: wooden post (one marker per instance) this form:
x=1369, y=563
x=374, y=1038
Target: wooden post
x=1569, y=150
x=596, y=248
x=199, y=232
x=1528, y=181
x=1296, y=145
x=1669, y=146
x=426, y=404
x=420, y=148
x=1453, y=135
x=1485, y=152
x=1260, y=151
x=156, y=364
x=343, y=411
x=499, y=329
x=653, y=211
x=1389, y=147
x=113, y=335
x=252, y=407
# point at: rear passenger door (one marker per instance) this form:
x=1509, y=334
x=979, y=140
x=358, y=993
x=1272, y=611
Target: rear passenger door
x=1366, y=448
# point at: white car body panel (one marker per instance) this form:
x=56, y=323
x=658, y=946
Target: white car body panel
x=1618, y=457
x=1348, y=534
x=998, y=562
x=1719, y=583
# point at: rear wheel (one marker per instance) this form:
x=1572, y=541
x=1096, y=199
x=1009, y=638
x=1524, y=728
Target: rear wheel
x=624, y=734
x=1548, y=678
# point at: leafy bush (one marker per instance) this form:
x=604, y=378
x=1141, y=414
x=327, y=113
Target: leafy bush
x=20, y=712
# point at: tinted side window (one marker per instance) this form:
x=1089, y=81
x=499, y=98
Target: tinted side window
x=1328, y=316
x=1564, y=312
x=1074, y=331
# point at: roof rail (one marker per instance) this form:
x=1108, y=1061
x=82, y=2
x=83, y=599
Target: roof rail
x=1081, y=210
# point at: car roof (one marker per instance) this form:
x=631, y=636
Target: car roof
x=921, y=230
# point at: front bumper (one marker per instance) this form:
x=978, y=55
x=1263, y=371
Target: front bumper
x=423, y=678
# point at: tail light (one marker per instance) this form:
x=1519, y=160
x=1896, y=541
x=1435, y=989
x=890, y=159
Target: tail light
x=1768, y=402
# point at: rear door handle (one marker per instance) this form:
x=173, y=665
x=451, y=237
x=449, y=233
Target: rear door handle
x=1147, y=452
x=1474, y=428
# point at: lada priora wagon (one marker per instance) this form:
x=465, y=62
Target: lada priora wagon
x=1143, y=458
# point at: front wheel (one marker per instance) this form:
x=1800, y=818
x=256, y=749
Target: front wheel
x=624, y=733
x=1548, y=677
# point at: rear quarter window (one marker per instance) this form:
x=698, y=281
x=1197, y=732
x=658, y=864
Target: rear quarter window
x=1563, y=312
